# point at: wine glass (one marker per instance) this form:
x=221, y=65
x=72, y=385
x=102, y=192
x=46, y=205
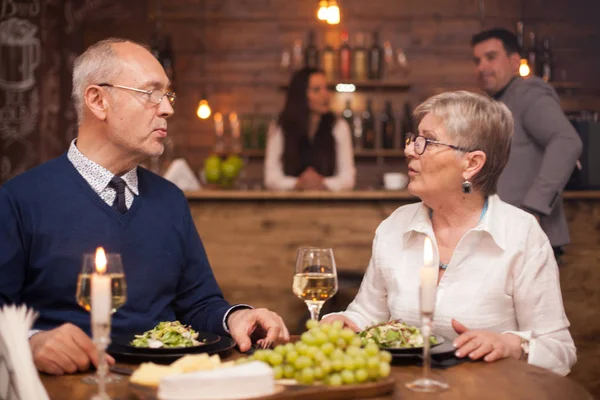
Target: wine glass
x=427, y=293
x=118, y=293
x=315, y=278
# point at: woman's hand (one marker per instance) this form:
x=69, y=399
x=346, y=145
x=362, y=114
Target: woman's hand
x=490, y=345
x=310, y=179
x=345, y=320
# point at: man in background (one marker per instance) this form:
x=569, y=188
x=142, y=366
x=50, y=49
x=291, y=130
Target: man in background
x=545, y=146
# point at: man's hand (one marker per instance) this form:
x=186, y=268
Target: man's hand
x=261, y=324
x=491, y=346
x=345, y=320
x=66, y=349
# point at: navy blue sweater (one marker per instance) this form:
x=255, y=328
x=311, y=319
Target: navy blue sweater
x=50, y=217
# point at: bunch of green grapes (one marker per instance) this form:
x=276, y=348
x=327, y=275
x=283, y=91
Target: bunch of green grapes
x=329, y=354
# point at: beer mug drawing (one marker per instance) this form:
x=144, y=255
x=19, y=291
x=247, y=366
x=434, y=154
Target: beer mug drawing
x=19, y=54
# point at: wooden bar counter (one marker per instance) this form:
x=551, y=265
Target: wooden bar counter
x=251, y=239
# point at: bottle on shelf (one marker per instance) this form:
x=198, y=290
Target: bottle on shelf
x=532, y=59
x=348, y=116
x=345, y=58
x=368, y=127
x=359, y=58
x=388, y=127
x=407, y=126
x=521, y=38
x=311, y=53
x=546, y=61
x=297, y=55
x=166, y=59
x=358, y=132
x=375, y=58
x=329, y=59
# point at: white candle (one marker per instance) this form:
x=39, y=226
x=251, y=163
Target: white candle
x=235, y=125
x=101, y=293
x=428, y=277
x=219, y=124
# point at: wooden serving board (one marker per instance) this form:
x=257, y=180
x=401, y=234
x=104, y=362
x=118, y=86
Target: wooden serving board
x=303, y=392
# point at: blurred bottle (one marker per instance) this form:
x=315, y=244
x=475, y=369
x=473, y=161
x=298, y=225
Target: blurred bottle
x=247, y=132
x=358, y=132
x=345, y=57
x=521, y=38
x=311, y=53
x=348, y=116
x=368, y=127
x=532, y=51
x=546, y=61
x=329, y=60
x=359, y=55
x=297, y=55
x=166, y=59
x=407, y=125
x=286, y=60
x=388, y=127
x=375, y=58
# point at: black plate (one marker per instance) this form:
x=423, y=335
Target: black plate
x=206, y=338
x=122, y=353
x=416, y=350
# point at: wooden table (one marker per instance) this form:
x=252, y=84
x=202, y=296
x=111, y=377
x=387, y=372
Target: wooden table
x=505, y=379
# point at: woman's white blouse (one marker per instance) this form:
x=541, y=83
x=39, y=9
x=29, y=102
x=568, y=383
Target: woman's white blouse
x=344, y=175
x=502, y=277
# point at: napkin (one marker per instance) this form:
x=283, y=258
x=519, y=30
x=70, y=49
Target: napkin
x=180, y=173
x=19, y=379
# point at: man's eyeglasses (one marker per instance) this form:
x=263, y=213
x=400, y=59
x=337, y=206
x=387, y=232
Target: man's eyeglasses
x=421, y=143
x=154, y=95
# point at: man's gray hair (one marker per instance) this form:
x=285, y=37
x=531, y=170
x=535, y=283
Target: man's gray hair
x=98, y=64
x=475, y=122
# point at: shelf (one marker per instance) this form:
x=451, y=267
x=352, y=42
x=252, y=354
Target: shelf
x=391, y=153
x=374, y=85
x=566, y=85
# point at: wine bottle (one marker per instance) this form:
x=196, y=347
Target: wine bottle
x=407, y=125
x=359, y=58
x=546, y=61
x=520, y=38
x=388, y=127
x=368, y=127
x=348, y=116
x=375, y=59
x=311, y=53
x=167, y=61
x=329, y=60
x=345, y=57
x=532, y=59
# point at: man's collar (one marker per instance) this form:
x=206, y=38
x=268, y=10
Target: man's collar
x=501, y=92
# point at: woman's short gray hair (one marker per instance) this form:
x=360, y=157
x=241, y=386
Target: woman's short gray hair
x=475, y=122
x=98, y=64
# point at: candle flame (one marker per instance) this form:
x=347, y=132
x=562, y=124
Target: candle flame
x=233, y=117
x=218, y=117
x=100, y=260
x=427, y=253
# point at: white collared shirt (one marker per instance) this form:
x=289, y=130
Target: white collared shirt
x=502, y=277
x=99, y=177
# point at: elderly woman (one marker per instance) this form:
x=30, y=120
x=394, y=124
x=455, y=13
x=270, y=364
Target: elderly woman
x=498, y=291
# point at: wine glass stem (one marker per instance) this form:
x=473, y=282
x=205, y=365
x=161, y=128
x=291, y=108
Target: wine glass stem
x=426, y=331
x=315, y=309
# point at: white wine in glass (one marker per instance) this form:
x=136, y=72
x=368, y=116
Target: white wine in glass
x=315, y=278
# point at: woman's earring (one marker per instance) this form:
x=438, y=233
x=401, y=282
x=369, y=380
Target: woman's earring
x=467, y=187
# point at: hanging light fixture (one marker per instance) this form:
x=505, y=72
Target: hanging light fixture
x=524, y=69
x=203, y=110
x=322, y=11
x=333, y=13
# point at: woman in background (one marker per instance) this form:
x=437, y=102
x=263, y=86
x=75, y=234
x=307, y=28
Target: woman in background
x=309, y=148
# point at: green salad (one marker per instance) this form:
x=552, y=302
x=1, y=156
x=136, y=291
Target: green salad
x=167, y=335
x=395, y=335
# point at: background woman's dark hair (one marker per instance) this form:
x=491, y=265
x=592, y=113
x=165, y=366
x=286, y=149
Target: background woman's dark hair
x=294, y=121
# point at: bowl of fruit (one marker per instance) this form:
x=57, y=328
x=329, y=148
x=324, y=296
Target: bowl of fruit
x=222, y=172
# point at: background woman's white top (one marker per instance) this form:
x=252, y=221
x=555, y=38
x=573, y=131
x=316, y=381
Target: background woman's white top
x=345, y=173
x=502, y=277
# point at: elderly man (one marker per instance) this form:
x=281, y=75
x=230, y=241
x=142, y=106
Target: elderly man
x=96, y=194
x=545, y=146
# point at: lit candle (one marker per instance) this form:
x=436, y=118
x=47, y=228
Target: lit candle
x=428, y=275
x=101, y=294
x=235, y=125
x=219, y=124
